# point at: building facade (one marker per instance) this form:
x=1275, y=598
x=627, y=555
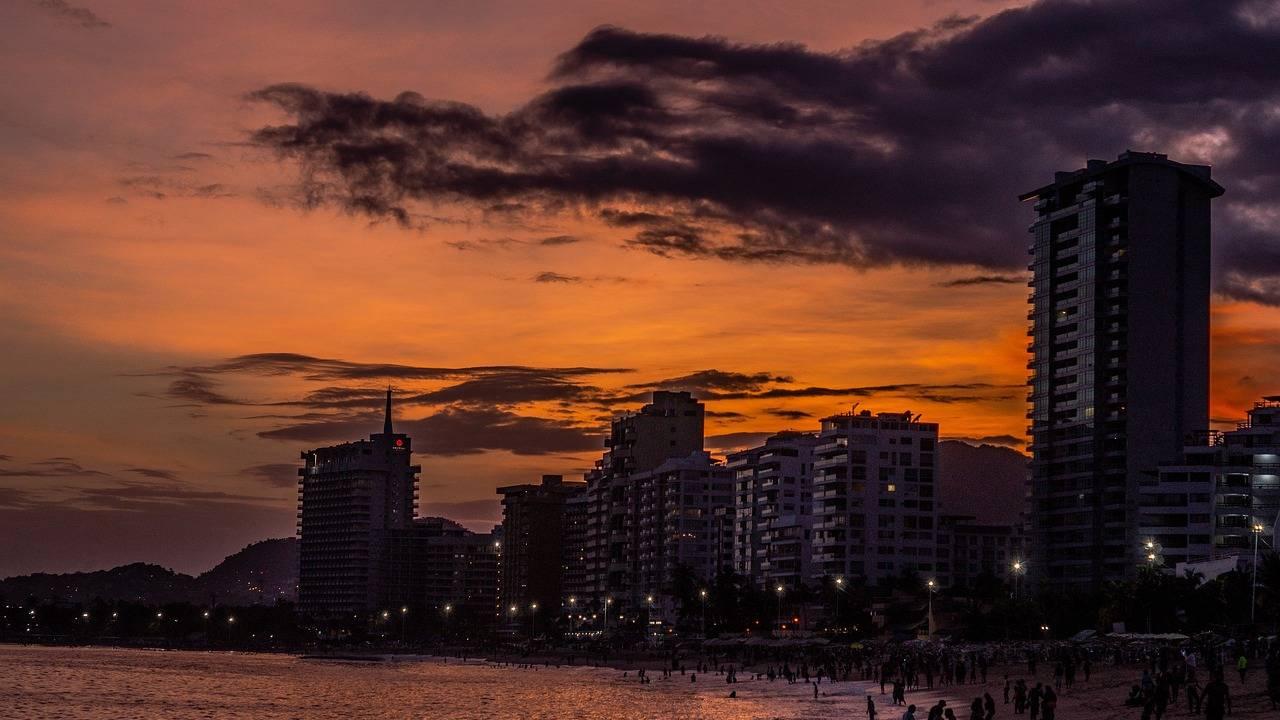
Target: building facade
x=1221, y=498
x=669, y=426
x=969, y=550
x=353, y=499
x=535, y=527
x=874, y=497
x=680, y=523
x=773, y=510
x=1119, y=328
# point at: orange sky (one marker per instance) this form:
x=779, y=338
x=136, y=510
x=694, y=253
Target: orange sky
x=103, y=282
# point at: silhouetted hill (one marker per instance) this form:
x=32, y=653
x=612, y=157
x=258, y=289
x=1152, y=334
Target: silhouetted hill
x=136, y=582
x=259, y=573
x=985, y=481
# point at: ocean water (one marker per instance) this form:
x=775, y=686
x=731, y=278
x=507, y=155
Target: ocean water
x=105, y=683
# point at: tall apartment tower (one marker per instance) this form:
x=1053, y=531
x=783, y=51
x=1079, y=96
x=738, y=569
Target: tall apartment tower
x=535, y=526
x=1119, y=353
x=355, y=500
x=875, y=499
x=670, y=426
x=773, y=503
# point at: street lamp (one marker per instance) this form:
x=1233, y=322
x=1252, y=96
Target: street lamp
x=533, y=619
x=404, y=612
x=780, y=590
x=839, y=589
x=1253, y=596
x=703, y=594
x=1019, y=569
x=447, y=609
x=607, y=602
x=931, y=585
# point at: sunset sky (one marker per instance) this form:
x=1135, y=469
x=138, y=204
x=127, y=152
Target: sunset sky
x=226, y=227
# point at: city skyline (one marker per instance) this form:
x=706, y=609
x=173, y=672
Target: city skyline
x=178, y=330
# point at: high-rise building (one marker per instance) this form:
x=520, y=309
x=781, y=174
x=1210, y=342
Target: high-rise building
x=773, y=504
x=535, y=526
x=669, y=426
x=678, y=528
x=1220, y=499
x=353, y=499
x=1120, y=352
x=874, y=497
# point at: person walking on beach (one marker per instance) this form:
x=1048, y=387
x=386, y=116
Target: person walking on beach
x=988, y=706
x=871, y=708
x=935, y=712
x=1037, y=692
x=1242, y=665
x=1217, y=699
x=910, y=714
x=1193, y=696
x=975, y=709
x=1049, y=704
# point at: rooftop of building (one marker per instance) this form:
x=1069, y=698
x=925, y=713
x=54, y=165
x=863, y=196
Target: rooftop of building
x=1097, y=168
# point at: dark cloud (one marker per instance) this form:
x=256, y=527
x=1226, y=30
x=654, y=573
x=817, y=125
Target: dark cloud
x=116, y=200
x=559, y=240
x=736, y=441
x=198, y=389
x=1011, y=441
x=130, y=495
x=153, y=473
x=79, y=16
x=161, y=187
x=908, y=150
x=482, y=244
x=458, y=430
x=60, y=467
x=554, y=277
x=984, y=280
x=788, y=414
x=511, y=388
x=704, y=381
x=308, y=367
x=934, y=393
x=278, y=475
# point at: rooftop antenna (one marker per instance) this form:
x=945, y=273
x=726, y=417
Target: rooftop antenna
x=386, y=422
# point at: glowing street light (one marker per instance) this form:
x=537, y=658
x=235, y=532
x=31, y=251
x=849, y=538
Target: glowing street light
x=1019, y=569
x=780, y=590
x=839, y=589
x=1253, y=596
x=931, y=585
x=703, y=594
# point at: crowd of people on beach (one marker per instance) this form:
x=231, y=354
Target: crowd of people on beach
x=1171, y=674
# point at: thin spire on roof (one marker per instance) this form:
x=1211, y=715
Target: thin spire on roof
x=386, y=422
